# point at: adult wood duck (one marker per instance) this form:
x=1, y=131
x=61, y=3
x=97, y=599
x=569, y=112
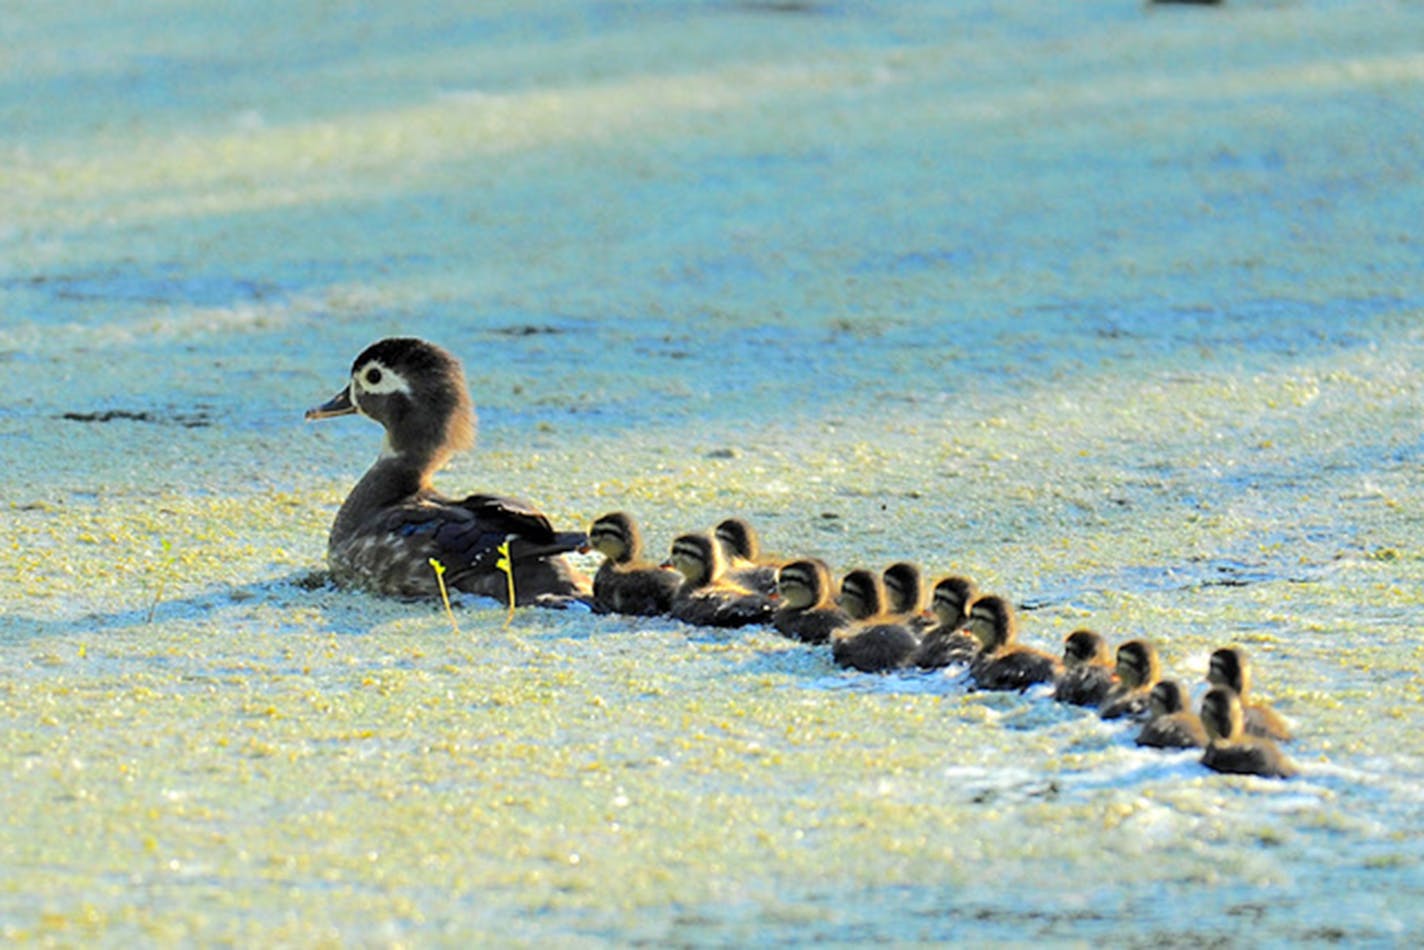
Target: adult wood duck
x=1087, y=669
x=394, y=521
x=1171, y=725
x=706, y=597
x=947, y=643
x=1229, y=667
x=1003, y=663
x=805, y=610
x=877, y=641
x=626, y=583
x=1138, y=670
x=746, y=565
x=1229, y=748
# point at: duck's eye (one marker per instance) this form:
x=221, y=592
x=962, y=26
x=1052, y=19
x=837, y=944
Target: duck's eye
x=373, y=377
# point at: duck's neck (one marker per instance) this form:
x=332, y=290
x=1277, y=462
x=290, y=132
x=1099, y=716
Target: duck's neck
x=394, y=478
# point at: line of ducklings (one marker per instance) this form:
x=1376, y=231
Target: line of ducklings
x=877, y=623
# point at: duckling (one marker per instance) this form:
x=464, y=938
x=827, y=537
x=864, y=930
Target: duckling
x=862, y=594
x=947, y=643
x=706, y=597
x=1002, y=663
x=394, y=521
x=1138, y=670
x=1087, y=669
x=1170, y=724
x=805, y=610
x=1230, y=668
x=1229, y=748
x=742, y=549
x=905, y=594
x=626, y=583
x=876, y=642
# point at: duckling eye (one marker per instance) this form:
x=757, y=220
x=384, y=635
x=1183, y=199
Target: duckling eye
x=373, y=376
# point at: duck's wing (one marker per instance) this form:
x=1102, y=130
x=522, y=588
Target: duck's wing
x=466, y=535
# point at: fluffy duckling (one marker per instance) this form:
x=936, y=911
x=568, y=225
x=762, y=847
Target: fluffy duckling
x=706, y=597
x=1229, y=748
x=626, y=583
x=905, y=595
x=1170, y=724
x=394, y=521
x=805, y=610
x=947, y=643
x=1002, y=663
x=1230, y=668
x=1087, y=669
x=1138, y=670
x=876, y=642
x=741, y=547
x=862, y=594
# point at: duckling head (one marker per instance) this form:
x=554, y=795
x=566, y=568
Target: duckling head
x=1085, y=648
x=616, y=537
x=738, y=539
x=904, y=588
x=1222, y=715
x=1167, y=697
x=416, y=391
x=803, y=584
x=697, y=557
x=1230, y=668
x=1137, y=664
x=951, y=599
x=991, y=620
x=862, y=594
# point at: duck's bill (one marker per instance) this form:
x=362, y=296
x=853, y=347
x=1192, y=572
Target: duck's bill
x=338, y=405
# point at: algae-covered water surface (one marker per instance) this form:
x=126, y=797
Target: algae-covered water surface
x=1116, y=308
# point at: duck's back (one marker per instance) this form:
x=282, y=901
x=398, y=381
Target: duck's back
x=876, y=648
x=814, y=625
x=1179, y=730
x=390, y=549
x=1016, y=669
x=942, y=647
x=1248, y=757
x=720, y=606
x=640, y=590
x=1086, y=685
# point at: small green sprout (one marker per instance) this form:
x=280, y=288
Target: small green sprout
x=506, y=564
x=444, y=594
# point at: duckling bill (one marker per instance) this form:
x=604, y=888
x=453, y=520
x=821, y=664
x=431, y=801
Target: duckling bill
x=394, y=521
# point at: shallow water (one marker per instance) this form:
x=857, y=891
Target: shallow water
x=1117, y=311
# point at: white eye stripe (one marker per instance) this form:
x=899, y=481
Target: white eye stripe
x=377, y=379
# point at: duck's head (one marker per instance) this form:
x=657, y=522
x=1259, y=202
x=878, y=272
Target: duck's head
x=1230, y=668
x=416, y=391
x=950, y=602
x=803, y=584
x=991, y=620
x=904, y=588
x=1137, y=664
x=697, y=557
x=738, y=539
x=1222, y=715
x=616, y=537
x=1166, y=698
x=1085, y=648
x=862, y=594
